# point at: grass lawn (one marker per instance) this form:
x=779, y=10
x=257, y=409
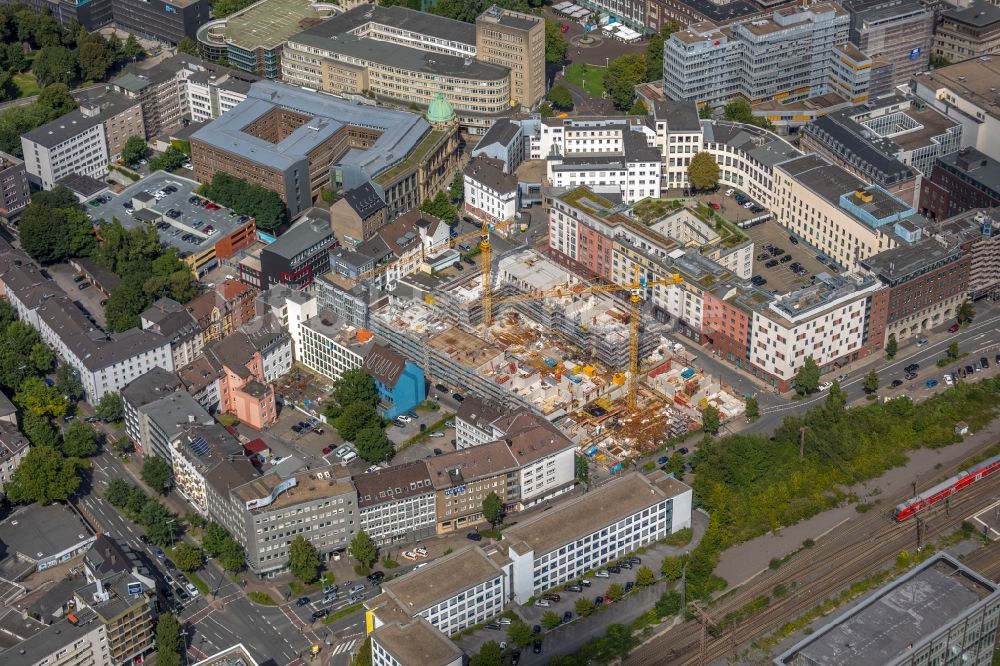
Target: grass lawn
x=588, y=77
x=27, y=84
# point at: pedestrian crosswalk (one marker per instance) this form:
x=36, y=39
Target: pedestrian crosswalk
x=345, y=648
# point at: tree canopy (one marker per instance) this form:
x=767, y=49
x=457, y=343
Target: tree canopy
x=440, y=206
x=493, y=509
x=188, y=558
x=169, y=641
x=68, y=381
x=363, y=549
x=355, y=385
x=710, y=421
x=703, y=171
x=54, y=229
x=303, y=560
x=807, y=378
x=556, y=45
x=135, y=149
x=623, y=75
x=740, y=111
x=354, y=418
x=157, y=474
x=265, y=206
x=44, y=476
x=79, y=440
x=374, y=446
x=109, y=408
x=560, y=98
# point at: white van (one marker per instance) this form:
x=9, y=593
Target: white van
x=349, y=456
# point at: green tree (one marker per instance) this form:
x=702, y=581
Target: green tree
x=374, y=446
x=13, y=59
x=966, y=313
x=675, y=464
x=169, y=641
x=53, y=101
x=187, y=557
x=355, y=385
x=440, y=207
x=356, y=417
x=706, y=111
x=519, y=633
x=188, y=46
x=616, y=591
x=752, y=408
x=37, y=397
x=44, y=476
x=265, y=206
x=703, y=171
x=551, y=620
x=22, y=354
x=122, y=446
x=232, y=557
x=891, y=346
x=131, y=49
x=118, y=492
x=489, y=655
x=618, y=641
x=871, y=382
x=739, y=111
x=156, y=474
x=54, y=64
x=79, y=440
x=581, y=467
x=644, y=577
x=40, y=431
x=303, y=560
x=363, y=657
x=161, y=525
x=654, y=51
x=638, y=108
x=195, y=519
x=584, y=606
x=836, y=399
x=556, y=45
x=493, y=509
x=134, y=150
x=125, y=303
x=363, y=550
x=214, y=538
x=953, y=351
x=456, y=191
x=560, y=98
x=172, y=158
x=8, y=88
x=68, y=381
x=623, y=75
x=807, y=378
x=55, y=234
x=109, y=408
x=93, y=59
x=545, y=110
x=710, y=419
x=669, y=604
x=672, y=567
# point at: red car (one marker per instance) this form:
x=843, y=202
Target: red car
x=326, y=450
x=715, y=206
x=953, y=328
x=563, y=28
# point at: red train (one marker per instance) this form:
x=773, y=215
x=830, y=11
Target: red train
x=946, y=488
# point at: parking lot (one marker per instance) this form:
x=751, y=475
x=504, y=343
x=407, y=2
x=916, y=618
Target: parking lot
x=89, y=299
x=780, y=276
x=729, y=208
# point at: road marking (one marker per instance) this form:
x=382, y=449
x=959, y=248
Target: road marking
x=345, y=647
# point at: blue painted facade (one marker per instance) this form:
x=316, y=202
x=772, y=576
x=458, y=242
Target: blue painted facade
x=410, y=390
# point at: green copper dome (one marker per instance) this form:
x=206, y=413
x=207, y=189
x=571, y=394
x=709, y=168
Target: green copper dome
x=440, y=110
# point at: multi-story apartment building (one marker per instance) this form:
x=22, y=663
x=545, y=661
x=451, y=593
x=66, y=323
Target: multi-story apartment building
x=836, y=212
x=182, y=87
x=413, y=643
x=248, y=363
x=508, y=140
x=297, y=143
x=146, y=389
x=159, y=423
x=224, y=309
x=927, y=280
x=402, y=56
x=453, y=592
x=268, y=513
x=194, y=454
x=890, y=141
x=296, y=256
x=581, y=534
x=13, y=447
x=516, y=41
x=252, y=39
x=893, y=31
x=491, y=195
x=162, y=20
x=968, y=32
x=978, y=234
x=126, y=607
x=902, y=623
x=961, y=181
x=82, y=640
x=966, y=92
x=84, y=141
x=14, y=193
x=474, y=423
x=174, y=322
x=785, y=56
x=396, y=503
x=357, y=215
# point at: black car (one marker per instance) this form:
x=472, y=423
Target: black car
x=771, y=264
x=143, y=538
x=302, y=601
x=458, y=397
x=495, y=626
x=474, y=536
x=567, y=616
x=83, y=285
x=615, y=569
x=320, y=614
x=997, y=359
x=683, y=450
x=376, y=577
x=969, y=370
x=536, y=647
x=458, y=266
x=628, y=586
x=552, y=597
x=469, y=261
x=515, y=658
x=169, y=565
x=438, y=452
x=896, y=383
x=296, y=428
x=913, y=367
x=536, y=630
x=599, y=601
x=441, y=387
x=793, y=240
x=985, y=362
x=785, y=259
x=183, y=594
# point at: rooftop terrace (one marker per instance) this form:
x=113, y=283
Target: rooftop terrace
x=268, y=24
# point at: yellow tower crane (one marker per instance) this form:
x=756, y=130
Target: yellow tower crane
x=636, y=289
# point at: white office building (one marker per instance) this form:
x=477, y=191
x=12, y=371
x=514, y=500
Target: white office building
x=587, y=532
x=397, y=503
x=413, y=643
x=491, y=195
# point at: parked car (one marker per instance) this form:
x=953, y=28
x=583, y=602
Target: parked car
x=505, y=621
x=771, y=264
x=793, y=240
x=536, y=647
x=715, y=206
x=574, y=588
x=191, y=589
x=614, y=569
x=421, y=551
x=441, y=387
x=896, y=383
x=567, y=616
x=474, y=536
x=985, y=362
x=948, y=380
x=409, y=555
x=302, y=601
x=436, y=434
x=563, y=27
x=635, y=559
x=495, y=626
x=376, y=577
x=544, y=603
x=552, y=597
x=438, y=452
x=953, y=328
x=320, y=614
x=458, y=397
x=825, y=386
x=602, y=574
x=729, y=192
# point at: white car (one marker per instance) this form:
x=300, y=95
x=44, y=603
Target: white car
x=349, y=456
x=544, y=603
x=948, y=380
x=436, y=434
x=729, y=192
x=421, y=551
x=403, y=418
x=192, y=590
x=342, y=451
x=748, y=205
x=504, y=621
x=503, y=645
x=409, y=554
x=825, y=386
x=602, y=574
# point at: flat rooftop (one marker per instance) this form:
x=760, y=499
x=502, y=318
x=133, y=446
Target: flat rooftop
x=441, y=579
x=578, y=517
x=310, y=486
x=905, y=260
x=466, y=349
x=894, y=622
x=975, y=80
x=418, y=642
x=267, y=24
x=39, y=531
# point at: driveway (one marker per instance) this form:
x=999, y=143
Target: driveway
x=88, y=300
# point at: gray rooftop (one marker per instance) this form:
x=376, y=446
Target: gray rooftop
x=311, y=227
x=762, y=146
x=401, y=131
x=364, y=200
x=874, y=157
x=975, y=166
x=680, y=115
x=441, y=579
x=979, y=14
x=84, y=186
x=825, y=179
x=501, y=132
x=75, y=122
x=175, y=412
x=150, y=387
x=489, y=172
x=400, y=18
x=403, y=57
x=896, y=621
x=418, y=642
x=42, y=645
x=903, y=262
x=38, y=531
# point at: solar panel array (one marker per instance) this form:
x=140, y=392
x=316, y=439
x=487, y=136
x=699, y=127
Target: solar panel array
x=199, y=447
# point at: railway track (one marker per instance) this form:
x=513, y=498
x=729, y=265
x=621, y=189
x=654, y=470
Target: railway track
x=851, y=552
x=986, y=561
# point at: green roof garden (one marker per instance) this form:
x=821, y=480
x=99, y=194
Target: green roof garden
x=270, y=23
x=426, y=145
